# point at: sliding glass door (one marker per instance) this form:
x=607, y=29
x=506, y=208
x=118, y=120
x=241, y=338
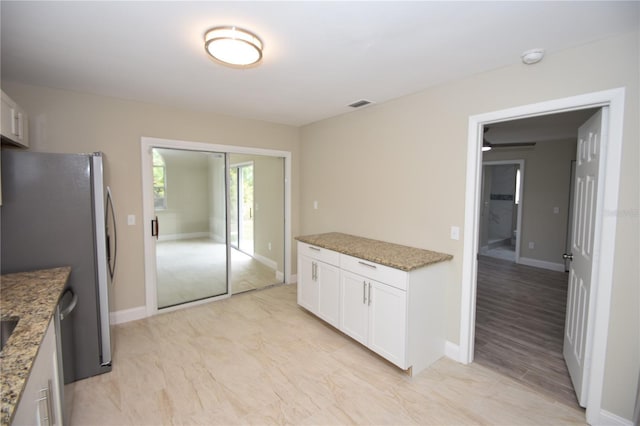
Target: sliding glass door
x=256, y=217
x=190, y=225
x=241, y=207
x=218, y=224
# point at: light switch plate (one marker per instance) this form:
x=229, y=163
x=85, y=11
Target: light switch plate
x=455, y=232
x=131, y=219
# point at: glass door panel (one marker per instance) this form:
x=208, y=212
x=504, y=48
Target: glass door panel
x=257, y=218
x=190, y=207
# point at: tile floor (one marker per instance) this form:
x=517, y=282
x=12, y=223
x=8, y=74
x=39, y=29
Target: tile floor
x=257, y=358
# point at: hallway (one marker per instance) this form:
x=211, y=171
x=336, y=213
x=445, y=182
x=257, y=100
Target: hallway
x=520, y=315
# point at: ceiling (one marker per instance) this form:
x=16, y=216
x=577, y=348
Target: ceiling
x=318, y=56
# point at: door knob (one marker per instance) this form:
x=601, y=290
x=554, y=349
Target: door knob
x=567, y=256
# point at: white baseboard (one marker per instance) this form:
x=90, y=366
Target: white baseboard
x=126, y=315
x=266, y=261
x=271, y=264
x=189, y=236
x=541, y=264
x=451, y=350
x=610, y=419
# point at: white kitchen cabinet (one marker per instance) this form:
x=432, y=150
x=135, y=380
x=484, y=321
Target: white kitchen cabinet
x=40, y=403
x=375, y=314
x=319, y=282
x=388, y=322
x=397, y=314
x=14, y=124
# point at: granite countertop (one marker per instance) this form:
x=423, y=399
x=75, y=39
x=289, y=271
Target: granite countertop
x=393, y=255
x=32, y=298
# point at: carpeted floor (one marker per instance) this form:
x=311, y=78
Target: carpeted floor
x=195, y=269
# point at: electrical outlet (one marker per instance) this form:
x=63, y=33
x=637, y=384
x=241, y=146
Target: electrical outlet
x=269, y=246
x=131, y=219
x=556, y=210
x=315, y=205
x=532, y=245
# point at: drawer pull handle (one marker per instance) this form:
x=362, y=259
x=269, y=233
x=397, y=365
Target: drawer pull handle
x=364, y=293
x=314, y=248
x=367, y=264
x=369, y=295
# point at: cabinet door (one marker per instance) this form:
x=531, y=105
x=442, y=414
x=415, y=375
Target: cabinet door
x=388, y=322
x=328, y=278
x=354, y=309
x=39, y=404
x=307, y=286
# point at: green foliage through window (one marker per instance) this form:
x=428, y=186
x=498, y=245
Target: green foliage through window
x=159, y=181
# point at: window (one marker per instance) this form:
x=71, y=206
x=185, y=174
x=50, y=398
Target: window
x=159, y=181
x=517, y=186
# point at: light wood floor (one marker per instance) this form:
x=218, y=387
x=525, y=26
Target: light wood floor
x=520, y=315
x=257, y=358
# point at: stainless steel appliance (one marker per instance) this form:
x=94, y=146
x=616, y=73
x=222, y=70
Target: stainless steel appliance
x=55, y=210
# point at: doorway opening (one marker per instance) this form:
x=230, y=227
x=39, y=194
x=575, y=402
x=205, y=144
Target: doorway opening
x=501, y=211
x=189, y=254
x=598, y=310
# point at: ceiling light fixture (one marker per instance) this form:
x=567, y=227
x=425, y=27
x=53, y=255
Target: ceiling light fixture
x=532, y=56
x=233, y=46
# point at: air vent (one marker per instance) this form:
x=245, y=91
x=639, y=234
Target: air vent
x=360, y=103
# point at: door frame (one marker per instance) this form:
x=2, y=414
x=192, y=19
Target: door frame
x=606, y=221
x=146, y=144
x=520, y=164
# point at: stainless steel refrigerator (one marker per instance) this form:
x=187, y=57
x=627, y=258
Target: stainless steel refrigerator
x=56, y=211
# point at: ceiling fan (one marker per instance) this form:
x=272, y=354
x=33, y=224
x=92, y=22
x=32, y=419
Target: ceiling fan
x=487, y=146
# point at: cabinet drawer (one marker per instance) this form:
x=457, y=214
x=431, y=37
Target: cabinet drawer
x=328, y=256
x=384, y=274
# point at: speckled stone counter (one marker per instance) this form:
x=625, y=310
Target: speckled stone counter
x=388, y=254
x=31, y=297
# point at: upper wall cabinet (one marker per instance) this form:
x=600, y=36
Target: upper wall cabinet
x=14, y=125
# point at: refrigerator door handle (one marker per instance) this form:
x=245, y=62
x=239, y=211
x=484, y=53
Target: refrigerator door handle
x=111, y=209
x=64, y=312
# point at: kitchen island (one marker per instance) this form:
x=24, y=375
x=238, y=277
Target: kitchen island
x=31, y=298
x=386, y=296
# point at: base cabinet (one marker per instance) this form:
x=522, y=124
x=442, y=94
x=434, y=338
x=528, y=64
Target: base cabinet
x=319, y=283
x=397, y=314
x=40, y=403
x=375, y=315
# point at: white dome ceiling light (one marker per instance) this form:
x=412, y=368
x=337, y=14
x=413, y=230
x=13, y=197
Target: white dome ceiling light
x=532, y=56
x=233, y=46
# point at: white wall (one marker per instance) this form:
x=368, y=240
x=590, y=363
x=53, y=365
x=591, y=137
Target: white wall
x=65, y=121
x=396, y=172
x=187, y=194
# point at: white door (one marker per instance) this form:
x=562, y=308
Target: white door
x=307, y=286
x=388, y=322
x=329, y=293
x=354, y=309
x=577, y=330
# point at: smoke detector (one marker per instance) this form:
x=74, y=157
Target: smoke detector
x=532, y=56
